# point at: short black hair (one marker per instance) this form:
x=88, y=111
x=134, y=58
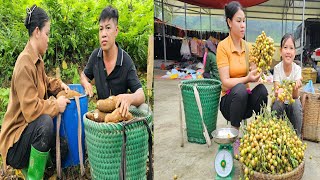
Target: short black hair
x=109, y=13
x=231, y=9
x=285, y=38
x=36, y=17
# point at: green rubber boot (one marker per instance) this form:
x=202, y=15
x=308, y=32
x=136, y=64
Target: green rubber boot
x=37, y=164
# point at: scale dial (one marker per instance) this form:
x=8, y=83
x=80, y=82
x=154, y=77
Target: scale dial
x=223, y=163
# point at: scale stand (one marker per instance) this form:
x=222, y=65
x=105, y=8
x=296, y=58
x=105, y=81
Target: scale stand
x=223, y=162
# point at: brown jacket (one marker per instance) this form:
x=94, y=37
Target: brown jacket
x=28, y=98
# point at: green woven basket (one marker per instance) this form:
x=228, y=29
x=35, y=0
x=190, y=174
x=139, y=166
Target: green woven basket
x=209, y=92
x=104, y=142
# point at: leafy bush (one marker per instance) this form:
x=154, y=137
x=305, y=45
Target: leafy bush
x=136, y=24
x=71, y=74
x=4, y=100
x=13, y=36
x=74, y=31
x=143, y=79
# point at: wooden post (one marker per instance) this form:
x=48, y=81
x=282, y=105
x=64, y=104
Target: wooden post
x=150, y=66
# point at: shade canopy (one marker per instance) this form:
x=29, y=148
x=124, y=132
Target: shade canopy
x=289, y=10
x=221, y=3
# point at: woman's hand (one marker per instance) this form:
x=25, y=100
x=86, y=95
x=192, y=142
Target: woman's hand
x=65, y=87
x=253, y=76
x=252, y=66
x=62, y=102
x=124, y=102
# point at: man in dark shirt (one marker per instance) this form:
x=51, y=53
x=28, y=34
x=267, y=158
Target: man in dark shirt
x=111, y=67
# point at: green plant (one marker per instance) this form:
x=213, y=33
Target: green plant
x=92, y=101
x=74, y=31
x=70, y=74
x=13, y=36
x=143, y=80
x=4, y=100
x=135, y=27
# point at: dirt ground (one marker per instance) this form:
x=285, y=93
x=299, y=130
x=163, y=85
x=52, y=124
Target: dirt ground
x=195, y=161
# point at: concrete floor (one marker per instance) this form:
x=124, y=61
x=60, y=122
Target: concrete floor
x=195, y=161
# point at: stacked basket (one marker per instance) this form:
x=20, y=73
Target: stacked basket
x=311, y=115
x=209, y=92
x=309, y=74
x=105, y=142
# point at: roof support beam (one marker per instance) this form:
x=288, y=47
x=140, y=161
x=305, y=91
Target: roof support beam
x=264, y=12
x=276, y=6
x=164, y=35
x=251, y=17
x=302, y=32
x=200, y=24
x=292, y=16
x=185, y=17
x=308, y=1
x=210, y=18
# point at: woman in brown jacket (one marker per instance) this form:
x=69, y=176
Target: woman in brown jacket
x=27, y=130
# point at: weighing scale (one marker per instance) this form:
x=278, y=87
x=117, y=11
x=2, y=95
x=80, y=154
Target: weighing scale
x=223, y=162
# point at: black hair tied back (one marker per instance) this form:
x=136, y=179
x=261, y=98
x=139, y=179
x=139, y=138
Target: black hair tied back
x=231, y=9
x=29, y=14
x=36, y=17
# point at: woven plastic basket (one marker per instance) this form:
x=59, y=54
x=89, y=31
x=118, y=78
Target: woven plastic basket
x=209, y=92
x=104, y=143
x=295, y=174
x=311, y=115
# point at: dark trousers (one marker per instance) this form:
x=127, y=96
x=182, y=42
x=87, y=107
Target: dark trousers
x=293, y=112
x=239, y=104
x=206, y=75
x=39, y=134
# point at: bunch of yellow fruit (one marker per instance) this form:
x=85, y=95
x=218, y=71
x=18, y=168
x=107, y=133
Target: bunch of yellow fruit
x=262, y=52
x=270, y=145
x=286, y=94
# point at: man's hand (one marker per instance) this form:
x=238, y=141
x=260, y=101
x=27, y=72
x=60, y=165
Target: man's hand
x=88, y=89
x=86, y=84
x=65, y=87
x=62, y=102
x=124, y=102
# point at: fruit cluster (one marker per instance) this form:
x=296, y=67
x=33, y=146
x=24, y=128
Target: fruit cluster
x=270, y=145
x=284, y=90
x=262, y=52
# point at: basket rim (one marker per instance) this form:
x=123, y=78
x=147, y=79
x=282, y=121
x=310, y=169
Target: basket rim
x=113, y=126
x=317, y=92
x=193, y=81
x=278, y=176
